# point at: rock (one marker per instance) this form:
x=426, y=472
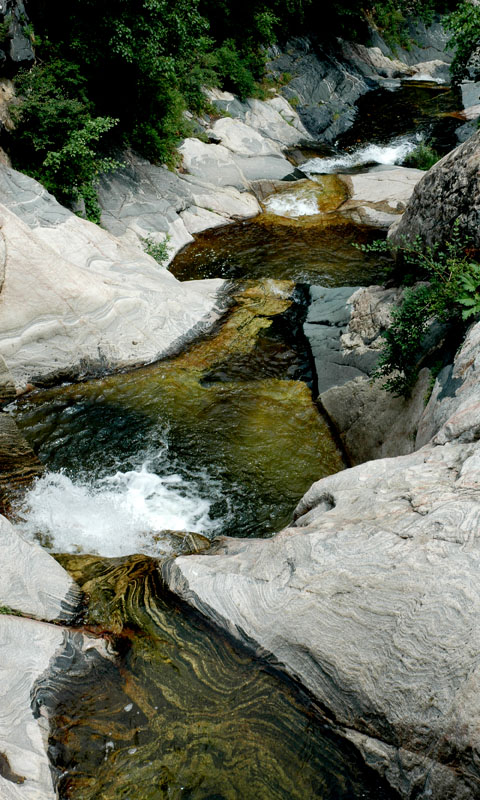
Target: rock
x=470, y=93
x=32, y=582
x=344, y=328
x=371, y=600
x=19, y=465
x=274, y=119
x=94, y=302
x=327, y=319
x=449, y=191
x=222, y=167
x=371, y=62
x=143, y=201
x=378, y=197
x=322, y=87
x=38, y=659
x=370, y=422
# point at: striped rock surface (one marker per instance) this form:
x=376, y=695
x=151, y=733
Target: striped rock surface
x=372, y=599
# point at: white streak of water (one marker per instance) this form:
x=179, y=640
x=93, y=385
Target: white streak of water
x=292, y=204
x=393, y=153
x=115, y=515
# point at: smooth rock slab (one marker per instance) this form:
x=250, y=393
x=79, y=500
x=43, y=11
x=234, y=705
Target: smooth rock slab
x=373, y=603
x=377, y=198
x=371, y=599
x=31, y=581
x=75, y=299
x=34, y=657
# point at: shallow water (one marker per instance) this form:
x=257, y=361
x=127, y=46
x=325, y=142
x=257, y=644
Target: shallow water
x=188, y=714
x=224, y=438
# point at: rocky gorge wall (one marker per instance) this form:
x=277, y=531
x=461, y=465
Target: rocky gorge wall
x=370, y=598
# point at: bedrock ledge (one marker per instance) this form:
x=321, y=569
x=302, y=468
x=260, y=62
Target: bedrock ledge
x=371, y=598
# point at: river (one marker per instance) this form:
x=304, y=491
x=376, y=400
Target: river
x=222, y=439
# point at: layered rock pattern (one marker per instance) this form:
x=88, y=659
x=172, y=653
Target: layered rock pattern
x=371, y=599
x=75, y=299
x=449, y=191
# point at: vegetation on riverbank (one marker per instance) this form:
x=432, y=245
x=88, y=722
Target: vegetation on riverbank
x=443, y=286
x=122, y=73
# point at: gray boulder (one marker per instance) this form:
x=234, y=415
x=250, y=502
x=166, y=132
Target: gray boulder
x=449, y=191
x=94, y=301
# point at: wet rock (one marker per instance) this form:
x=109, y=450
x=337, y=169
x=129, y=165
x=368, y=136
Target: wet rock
x=37, y=660
x=377, y=198
x=449, y=191
x=94, y=302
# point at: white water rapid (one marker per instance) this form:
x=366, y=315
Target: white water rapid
x=115, y=515
x=293, y=204
x=390, y=154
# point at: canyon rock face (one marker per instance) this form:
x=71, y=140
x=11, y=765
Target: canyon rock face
x=448, y=192
x=325, y=84
x=371, y=598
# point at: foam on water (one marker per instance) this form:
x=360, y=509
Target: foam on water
x=393, y=153
x=424, y=77
x=292, y=204
x=115, y=515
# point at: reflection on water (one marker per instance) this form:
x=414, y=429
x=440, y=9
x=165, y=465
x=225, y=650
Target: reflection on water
x=188, y=714
x=308, y=250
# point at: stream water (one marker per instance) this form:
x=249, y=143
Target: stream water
x=223, y=438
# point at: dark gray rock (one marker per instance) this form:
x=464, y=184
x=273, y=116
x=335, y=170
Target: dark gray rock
x=449, y=191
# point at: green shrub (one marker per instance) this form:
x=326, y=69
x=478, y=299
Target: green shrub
x=464, y=26
x=56, y=137
x=158, y=250
x=450, y=295
x=423, y=157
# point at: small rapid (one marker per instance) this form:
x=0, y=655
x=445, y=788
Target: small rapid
x=388, y=155
x=118, y=514
x=292, y=204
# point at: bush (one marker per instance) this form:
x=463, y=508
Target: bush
x=464, y=25
x=423, y=157
x=452, y=294
x=57, y=138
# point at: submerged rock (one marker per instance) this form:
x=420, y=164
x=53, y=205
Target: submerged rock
x=19, y=465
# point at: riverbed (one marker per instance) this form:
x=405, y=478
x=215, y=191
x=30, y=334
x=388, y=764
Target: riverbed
x=221, y=439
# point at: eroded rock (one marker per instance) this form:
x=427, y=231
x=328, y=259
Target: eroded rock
x=448, y=192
